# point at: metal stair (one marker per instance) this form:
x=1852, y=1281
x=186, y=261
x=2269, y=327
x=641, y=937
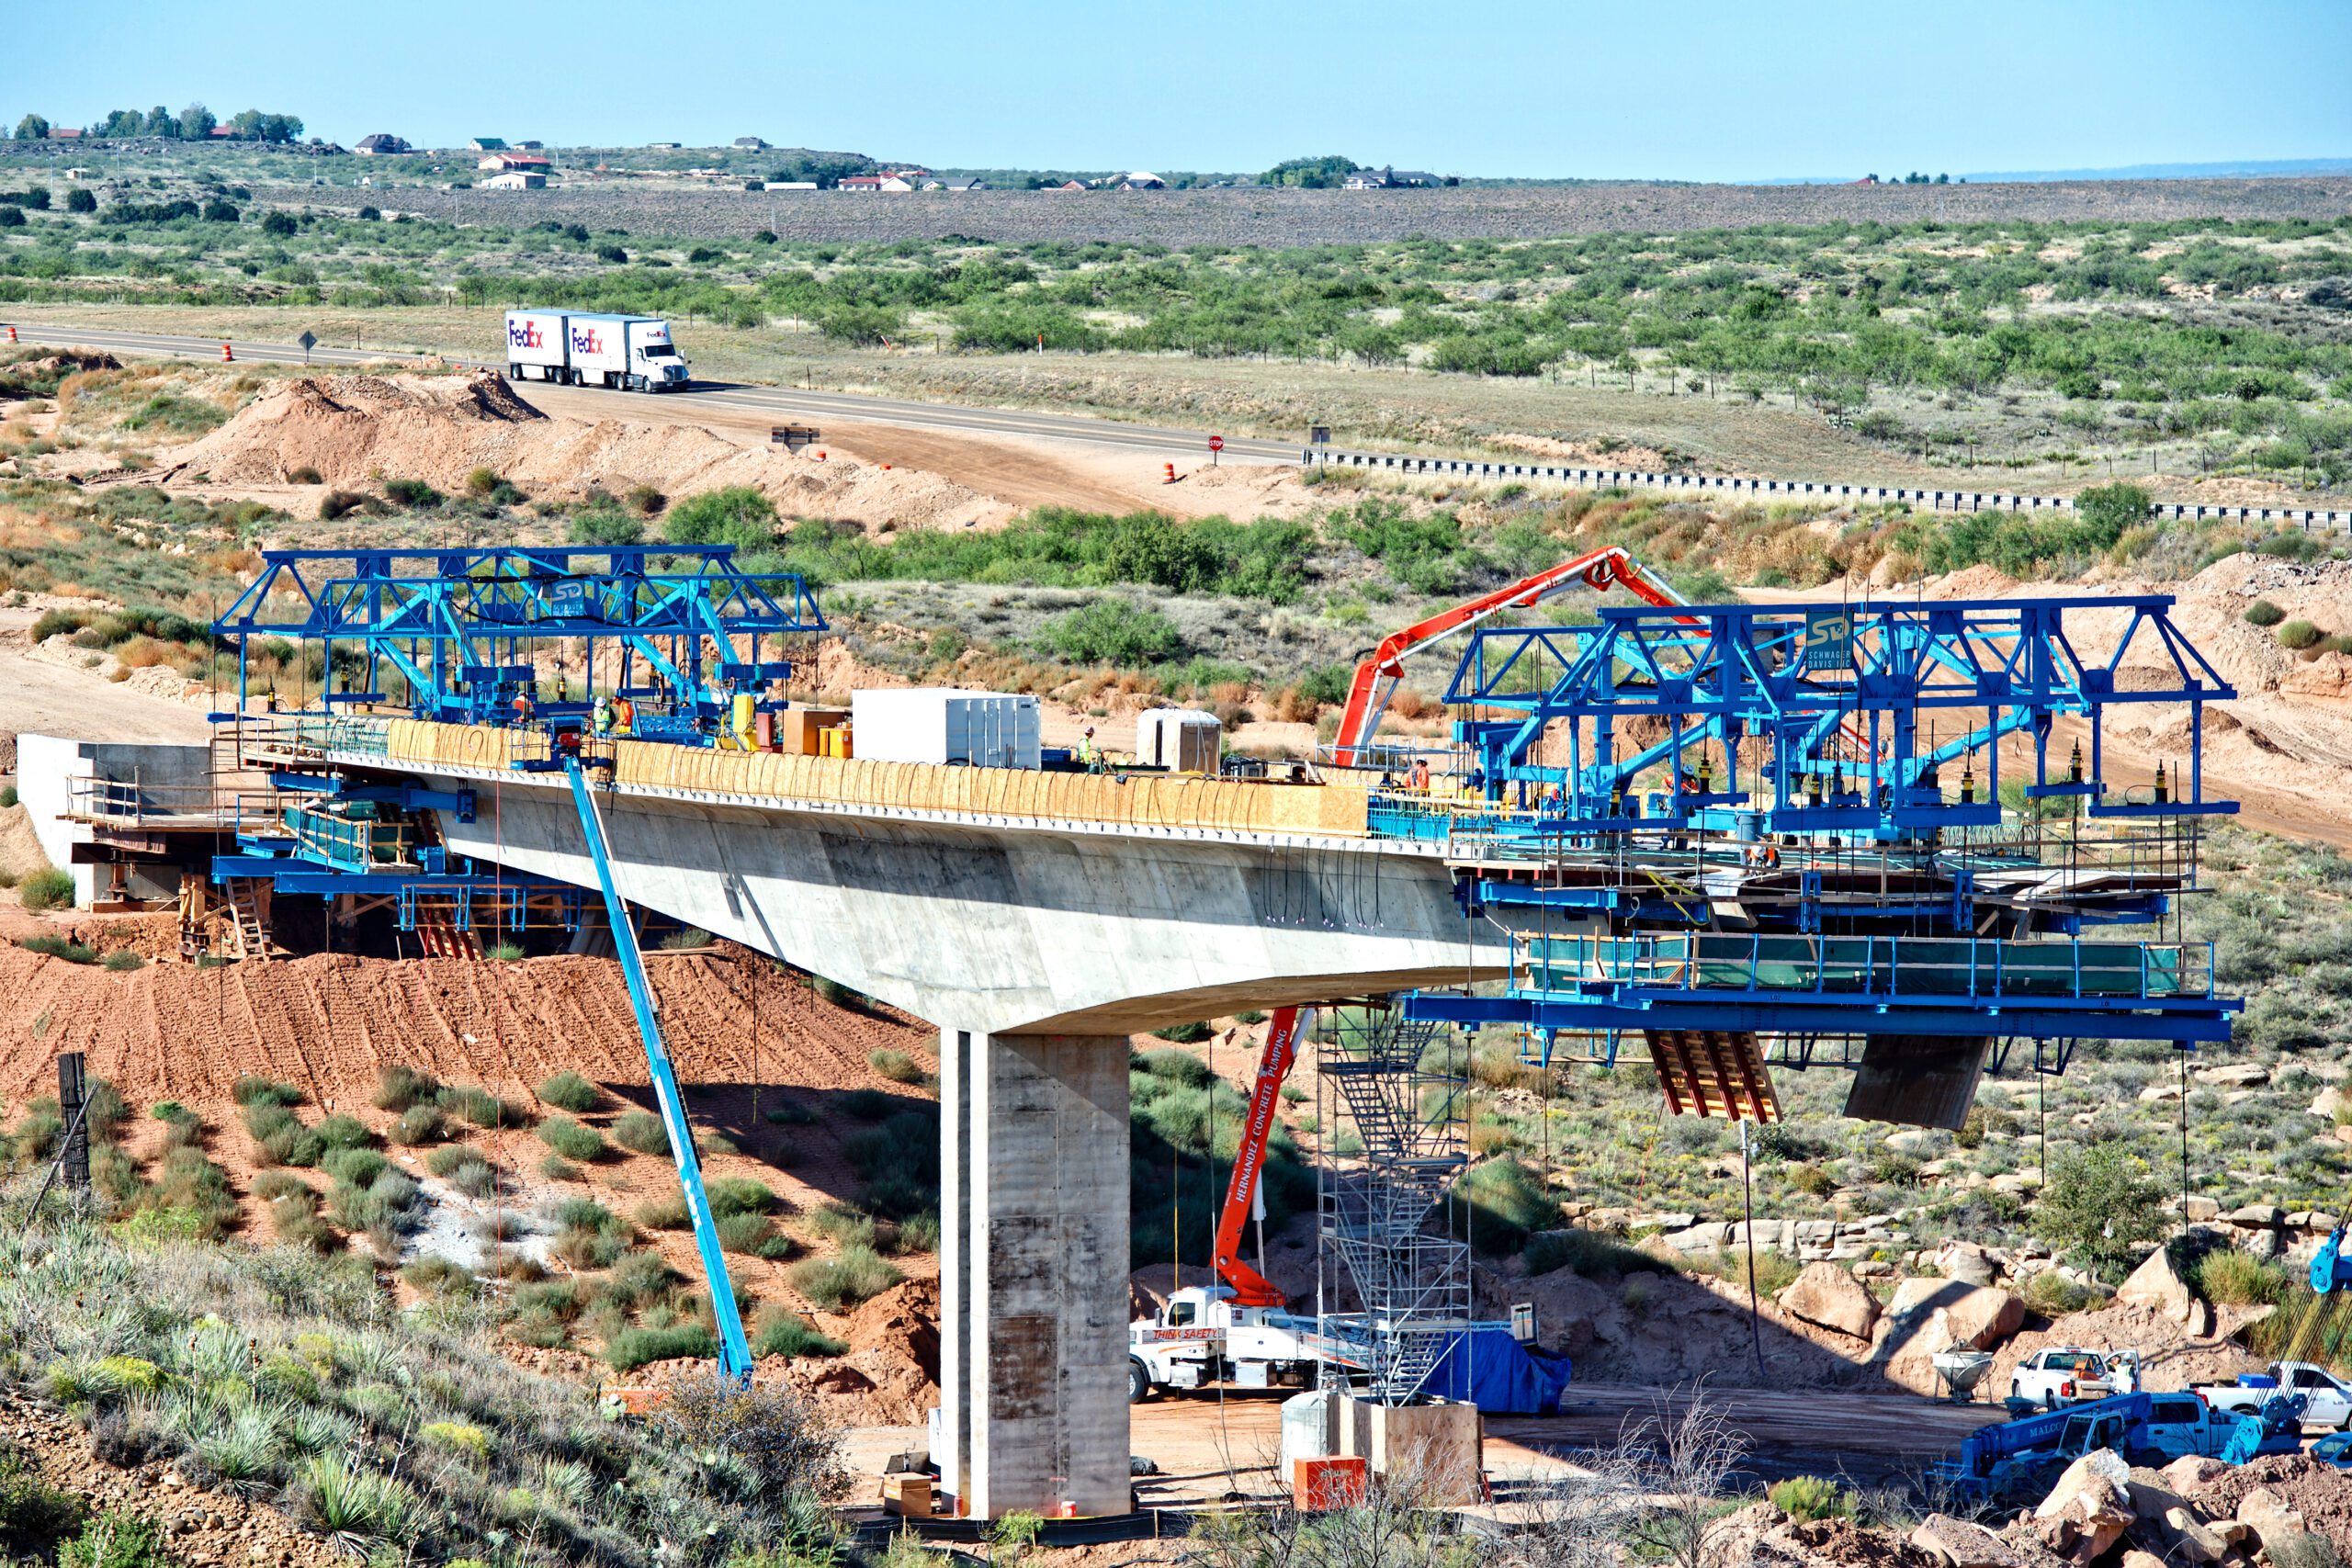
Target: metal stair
x=245, y=899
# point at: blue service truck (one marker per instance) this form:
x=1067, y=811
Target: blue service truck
x=2025, y=1455
x=588, y=348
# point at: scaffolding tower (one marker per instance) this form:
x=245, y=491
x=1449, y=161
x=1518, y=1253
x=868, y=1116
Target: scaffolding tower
x=1384, y=1214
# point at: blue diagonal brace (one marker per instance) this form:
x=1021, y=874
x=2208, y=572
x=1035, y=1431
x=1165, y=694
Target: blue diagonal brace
x=734, y=1350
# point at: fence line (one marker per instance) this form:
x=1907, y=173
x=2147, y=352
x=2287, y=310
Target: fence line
x=2306, y=518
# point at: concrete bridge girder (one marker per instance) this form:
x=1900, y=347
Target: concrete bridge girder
x=1010, y=929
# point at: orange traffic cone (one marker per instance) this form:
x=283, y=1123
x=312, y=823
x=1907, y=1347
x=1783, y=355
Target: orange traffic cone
x=820, y=455
x=12, y=334
x=227, y=357
x=1171, y=473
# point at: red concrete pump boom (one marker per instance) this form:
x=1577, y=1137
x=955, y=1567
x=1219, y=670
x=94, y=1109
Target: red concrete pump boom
x=1376, y=676
x=1249, y=1287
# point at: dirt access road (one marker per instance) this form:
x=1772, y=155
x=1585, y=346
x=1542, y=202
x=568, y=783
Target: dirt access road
x=1205, y=1446
x=37, y=697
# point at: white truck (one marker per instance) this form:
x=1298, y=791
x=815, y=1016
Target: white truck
x=2327, y=1402
x=583, y=348
x=1202, y=1337
x=2060, y=1375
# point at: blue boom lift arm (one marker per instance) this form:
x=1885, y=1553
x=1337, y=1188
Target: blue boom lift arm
x=734, y=1350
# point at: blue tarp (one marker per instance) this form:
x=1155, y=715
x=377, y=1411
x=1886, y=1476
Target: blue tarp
x=1501, y=1375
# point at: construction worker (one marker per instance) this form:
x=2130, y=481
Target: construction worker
x=601, y=717
x=1090, y=757
x=1422, y=774
x=525, y=708
x=624, y=716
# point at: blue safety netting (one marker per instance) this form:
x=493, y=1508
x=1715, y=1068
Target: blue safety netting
x=1498, y=1374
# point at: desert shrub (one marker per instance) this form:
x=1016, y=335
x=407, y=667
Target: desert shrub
x=271, y=1185
x=555, y=1168
x=745, y=1233
x=388, y=1201
x=851, y=1275
x=635, y=1347
x=482, y=1107
x=843, y=1225
x=736, y=514
x=355, y=1505
x=122, y=961
x=866, y=1104
x=1191, y=1033
x=643, y=1131
x=899, y=1161
x=254, y=1089
x=570, y=1091
x=294, y=1219
x=1593, y=1254
x=592, y=1244
x=435, y=1274
x=2052, y=1294
x=1498, y=1203
x=34, y=1516
x=669, y=1213
x=61, y=947
x=2263, y=613
x=339, y=503
x=420, y=1125
x=1806, y=1498
x=399, y=1087
x=919, y=1233
x=1178, y=1067
x=571, y=1139
x=304, y=474
x=48, y=888
x=1112, y=632
x=790, y=1113
x=740, y=1195
x=896, y=1065
x=2227, y=1277
x=2296, y=636
x=2100, y=1211
x=778, y=1332
x=444, y=1161
x=342, y=1132
x=359, y=1165
x=412, y=493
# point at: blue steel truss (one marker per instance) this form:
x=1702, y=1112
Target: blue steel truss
x=679, y=630
x=1857, y=709
x=1737, y=819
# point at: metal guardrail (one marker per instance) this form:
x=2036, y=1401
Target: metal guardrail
x=1924, y=969
x=2306, y=518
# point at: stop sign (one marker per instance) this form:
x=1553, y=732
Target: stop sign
x=1217, y=442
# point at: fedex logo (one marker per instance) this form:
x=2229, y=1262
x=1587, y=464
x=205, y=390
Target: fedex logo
x=583, y=341
x=525, y=335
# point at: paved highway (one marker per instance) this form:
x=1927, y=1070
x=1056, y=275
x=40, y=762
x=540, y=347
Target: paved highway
x=802, y=405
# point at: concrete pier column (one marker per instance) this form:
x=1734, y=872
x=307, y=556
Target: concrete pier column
x=1032, y=1257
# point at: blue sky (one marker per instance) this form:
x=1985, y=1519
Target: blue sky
x=1699, y=89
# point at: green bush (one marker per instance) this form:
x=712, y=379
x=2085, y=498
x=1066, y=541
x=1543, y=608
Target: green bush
x=1498, y=1204
x=420, y=1125
x=745, y=1233
x=254, y=1089
x=359, y=1167
x=668, y=1213
x=399, y=1087
x=412, y=493
x=642, y=1131
x=1184, y=1034
x=635, y=1347
x=555, y=1168
x=34, y=1516
x=2100, y=1212
x=896, y=1065
x=855, y=1274
x=740, y=1195
x=48, y=888
x=60, y=947
x=346, y=1132
x=2263, y=613
x=388, y=1201
x=1807, y=1498
x=1114, y=633
x=482, y=1107
x=2296, y=636
x=780, y=1333
x=736, y=514
x=571, y=1139
x=1591, y=1254
x=2227, y=1277
x=1178, y=1067
x=570, y=1091
x=843, y=1225
x=271, y=1185
x=866, y=1104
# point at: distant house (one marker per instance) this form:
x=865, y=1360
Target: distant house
x=788, y=185
x=896, y=183
x=752, y=144
x=1865, y=180
x=514, y=179
x=488, y=144
x=663, y=146
x=867, y=183
x=911, y=173
x=964, y=185
x=65, y=133
x=526, y=162
x=1391, y=179
x=1069, y=185
x=1143, y=179
x=529, y=146
x=382, y=144
x=224, y=132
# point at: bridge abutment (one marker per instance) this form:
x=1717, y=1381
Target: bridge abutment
x=1033, y=1361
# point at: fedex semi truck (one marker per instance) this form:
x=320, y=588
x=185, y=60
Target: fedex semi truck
x=588, y=349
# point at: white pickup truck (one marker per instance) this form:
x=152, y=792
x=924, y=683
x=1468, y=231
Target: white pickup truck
x=2327, y=1400
x=1202, y=1337
x=2060, y=1375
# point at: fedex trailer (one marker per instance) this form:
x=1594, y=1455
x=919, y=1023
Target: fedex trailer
x=592, y=349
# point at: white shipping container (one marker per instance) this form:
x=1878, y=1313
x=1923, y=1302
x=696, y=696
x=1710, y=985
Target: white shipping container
x=945, y=724
x=599, y=343
x=535, y=339
x=1184, y=741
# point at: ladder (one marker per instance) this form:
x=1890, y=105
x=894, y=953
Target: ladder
x=247, y=903
x=734, y=1349
x=1713, y=1072
x=438, y=935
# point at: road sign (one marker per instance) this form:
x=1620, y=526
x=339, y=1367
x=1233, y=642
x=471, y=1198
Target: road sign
x=309, y=342
x=1318, y=436
x=1217, y=442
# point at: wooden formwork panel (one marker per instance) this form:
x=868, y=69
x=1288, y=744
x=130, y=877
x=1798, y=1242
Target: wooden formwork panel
x=1713, y=1072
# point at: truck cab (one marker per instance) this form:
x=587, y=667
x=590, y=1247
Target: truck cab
x=2059, y=1376
x=1203, y=1336
x=654, y=363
